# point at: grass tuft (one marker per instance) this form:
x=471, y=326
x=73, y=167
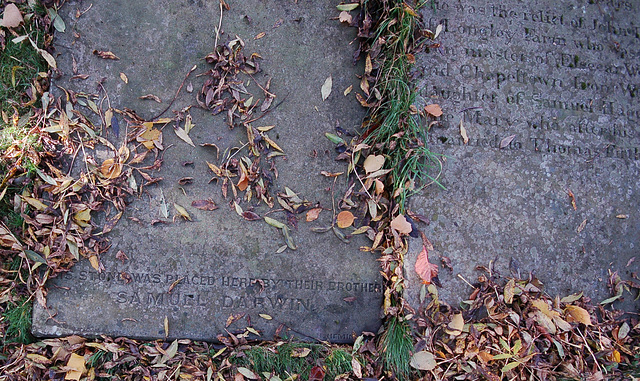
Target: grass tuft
x=278, y=360
x=395, y=125
x=18, y=323
x=396, y=346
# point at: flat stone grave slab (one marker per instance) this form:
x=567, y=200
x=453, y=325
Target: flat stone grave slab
x=549, y=178
x=196, y=275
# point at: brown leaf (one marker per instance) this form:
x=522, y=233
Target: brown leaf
x=313, y=214
x=105, y=54
x=233, y=318
x=111, y=169
x=433, y=109
x=424, y=268
x=259, y=35
x=578, y=315
x=401, y=225
x=152, y=97
x=204, y=205
x=316, y=374
x=345, y=219
x=251, y=216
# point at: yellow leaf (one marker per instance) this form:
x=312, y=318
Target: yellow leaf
x=347, y=90
x=83, y=217
x=544, y=308
x=95, y=262
x=34, y=202
x=345, y=219
x=124, y=78
x=76, y=363
x=265, y=316
x=272, y=143
x=300, y=352
x=578, y=315
x=182, y=211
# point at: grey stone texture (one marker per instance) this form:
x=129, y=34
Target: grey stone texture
x=325, y=290
x=563, y=77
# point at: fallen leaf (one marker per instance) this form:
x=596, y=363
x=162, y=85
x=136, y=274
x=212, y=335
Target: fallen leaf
x=204, y=205
x=373, y=163
x=77, y=367
x=316, y=374
x=105, y=54
x=46, y=55
x=82, y=217
x=247, y=373
x=401, y=225
x=347, y=7
x=95, y=263
x=182, y=211
x=233, y=318
x=582, y=226
x=456, y=325
x=622, y=216
x=423, y=360
x=124, y=78
x=259, y=35
x=182, y=134
x=11, y=17
x=326, y=88
x=345, y=219
x=433, y=109
x=313, y=214
x=345, y=17
x=463, y=132
x=250, y=216
x=357, y=368
x=424, y=268
x=265, y=316
x=347, y=90
x=152, y=97
x=506, y=141
x=110, y=169
x=300, y=352
x=578, y=315
x=571, y=298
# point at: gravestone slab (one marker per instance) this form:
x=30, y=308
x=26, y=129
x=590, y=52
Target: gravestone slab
x=197, y=274
x=547, y=92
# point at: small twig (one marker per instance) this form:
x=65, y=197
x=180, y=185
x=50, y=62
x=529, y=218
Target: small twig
x=465, y=281
x=269, y=110
x=358, y=176
x=590, y=351
x=267, y=92
x=219, y=27
x=177, y=92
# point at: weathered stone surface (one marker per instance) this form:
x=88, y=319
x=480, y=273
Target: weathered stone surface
x=325, y=290
x=562, y=78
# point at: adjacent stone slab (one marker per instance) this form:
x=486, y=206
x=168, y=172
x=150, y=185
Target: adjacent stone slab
x=547, y=92
x=198, y=274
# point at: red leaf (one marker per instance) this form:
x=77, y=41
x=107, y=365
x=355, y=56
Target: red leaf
x=425, y=269
x=316, y=374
